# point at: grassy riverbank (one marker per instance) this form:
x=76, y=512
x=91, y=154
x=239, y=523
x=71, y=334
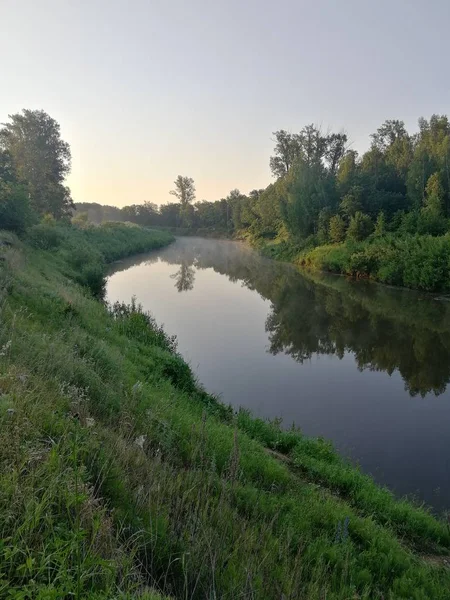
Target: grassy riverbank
x=415, y=261
x=121, y=478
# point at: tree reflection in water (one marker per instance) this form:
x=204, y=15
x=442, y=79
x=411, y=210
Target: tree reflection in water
x=385, y=329
x=184, y=277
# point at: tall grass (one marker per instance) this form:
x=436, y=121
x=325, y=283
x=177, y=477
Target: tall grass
x=414, y=261
x=84, y=251
x=120, y=477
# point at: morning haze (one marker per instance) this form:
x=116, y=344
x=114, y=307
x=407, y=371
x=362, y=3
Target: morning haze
x=149, y=89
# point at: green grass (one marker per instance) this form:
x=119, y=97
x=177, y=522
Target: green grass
x=414, y=261
x=120, y=477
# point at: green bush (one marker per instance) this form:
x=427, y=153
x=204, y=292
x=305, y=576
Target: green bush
x=414, y=261
x=15, y=210
x=92, y=275
x=45, y=237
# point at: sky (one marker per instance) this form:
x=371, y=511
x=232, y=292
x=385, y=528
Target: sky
x=145, y=90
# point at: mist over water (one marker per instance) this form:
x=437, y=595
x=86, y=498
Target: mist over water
x=360, y=364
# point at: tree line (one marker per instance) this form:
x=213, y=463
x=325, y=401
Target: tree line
x=325, y=192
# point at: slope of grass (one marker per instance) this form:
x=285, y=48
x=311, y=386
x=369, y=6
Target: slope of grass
x=121, y=478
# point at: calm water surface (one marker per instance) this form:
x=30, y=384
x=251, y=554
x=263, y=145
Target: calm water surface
x=361, y=364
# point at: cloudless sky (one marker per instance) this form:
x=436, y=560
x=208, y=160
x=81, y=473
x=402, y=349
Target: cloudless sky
x=145, y=90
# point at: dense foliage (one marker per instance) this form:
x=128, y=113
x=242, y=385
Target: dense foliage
x=121, y=478
x=34, y=161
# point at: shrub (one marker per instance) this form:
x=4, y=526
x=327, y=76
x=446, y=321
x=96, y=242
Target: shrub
x=415, y=261
x=15, y=211
x=45, y=237
x=92, y=275
x=135, y=323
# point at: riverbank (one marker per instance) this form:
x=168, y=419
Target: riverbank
x=413, y=261
x=121, y=477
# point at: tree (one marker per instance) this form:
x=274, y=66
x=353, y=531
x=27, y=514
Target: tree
x=143, y=214
x=351, y=202
x=347, y=172
x=40, y=159
x=336, y=147
x=313, y=145
x=337, y=229
x=360, y=227
x=184, y=190
x=431, y=218
x=170, y=214
x=7, y=174
x=81, y=220
x=323, y=225
x=287, y=150
x=434, y=195
x=307, y=189
x=380, y=225
x=388, y=134
x=235, y=203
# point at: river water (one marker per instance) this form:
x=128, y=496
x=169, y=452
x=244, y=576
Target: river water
x=358, y=363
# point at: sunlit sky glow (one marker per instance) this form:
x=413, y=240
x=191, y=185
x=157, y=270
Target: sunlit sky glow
x=145, y=90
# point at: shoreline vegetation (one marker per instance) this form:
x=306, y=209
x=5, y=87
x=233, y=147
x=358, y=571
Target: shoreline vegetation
x=383, y=215
x=121, y=477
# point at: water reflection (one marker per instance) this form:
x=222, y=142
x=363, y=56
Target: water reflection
x=385, y=329
x=184, y=277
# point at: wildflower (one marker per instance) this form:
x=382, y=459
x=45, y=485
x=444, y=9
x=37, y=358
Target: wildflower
x=4, y=349
x=140, y=441
x=137, y=387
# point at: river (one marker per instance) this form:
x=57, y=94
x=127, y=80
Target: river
x=360, y=364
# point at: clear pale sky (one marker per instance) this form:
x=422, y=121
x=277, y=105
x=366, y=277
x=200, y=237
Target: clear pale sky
x=145, y=90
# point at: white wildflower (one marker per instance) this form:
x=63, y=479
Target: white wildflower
x=137, y=387
x=140, y=441
x=4, y=349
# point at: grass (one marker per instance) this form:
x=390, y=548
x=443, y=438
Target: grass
x=414, y=261
x=120, y=477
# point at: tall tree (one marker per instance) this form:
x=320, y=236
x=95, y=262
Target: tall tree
x=434, y=196
x=313, y=145
x=40, y=158
x=386, y=135
x=184, y=190
x=287, y=150
x=336, y=147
